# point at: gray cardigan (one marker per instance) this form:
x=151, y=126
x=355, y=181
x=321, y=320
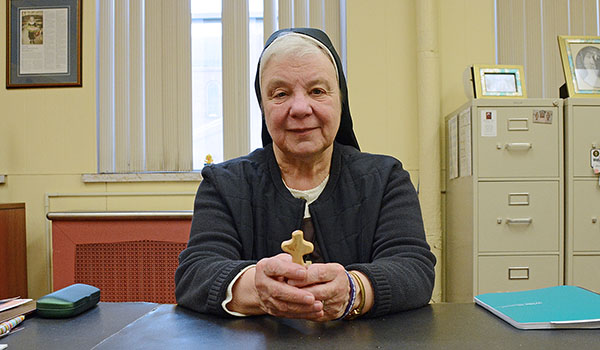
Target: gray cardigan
x=367, y=219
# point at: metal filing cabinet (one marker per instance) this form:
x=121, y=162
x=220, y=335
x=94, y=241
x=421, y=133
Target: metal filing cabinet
x=504, y=197
x=582, y=195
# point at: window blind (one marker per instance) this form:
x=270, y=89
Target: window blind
x=527, y=32
x=144, y=86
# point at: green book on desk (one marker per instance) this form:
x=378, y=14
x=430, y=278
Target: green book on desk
x=546, y=308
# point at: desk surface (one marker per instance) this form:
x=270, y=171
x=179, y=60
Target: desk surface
x=152, y=326
x=81, y=332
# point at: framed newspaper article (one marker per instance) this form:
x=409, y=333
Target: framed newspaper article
x=43, y=43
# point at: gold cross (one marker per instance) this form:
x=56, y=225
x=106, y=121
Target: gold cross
x=297, y=247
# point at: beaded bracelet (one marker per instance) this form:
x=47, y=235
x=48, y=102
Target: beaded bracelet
x=361, y=291
x=352, y=298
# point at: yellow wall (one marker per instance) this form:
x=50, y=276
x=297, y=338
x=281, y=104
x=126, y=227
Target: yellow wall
x=382, y=71
x=382, y=67
x=47, y=140
x=381, y=49
x=48, y=136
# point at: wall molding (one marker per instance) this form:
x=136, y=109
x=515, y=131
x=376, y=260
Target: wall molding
x=143, y=177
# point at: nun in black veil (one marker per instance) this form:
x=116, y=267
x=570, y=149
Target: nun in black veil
x=359, y=210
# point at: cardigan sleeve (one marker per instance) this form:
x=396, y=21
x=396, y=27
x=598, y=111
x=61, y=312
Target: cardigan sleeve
x=212, y=258
x=401, y=269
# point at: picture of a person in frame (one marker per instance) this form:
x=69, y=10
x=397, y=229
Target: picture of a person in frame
x=32, y=29
x=587, y=68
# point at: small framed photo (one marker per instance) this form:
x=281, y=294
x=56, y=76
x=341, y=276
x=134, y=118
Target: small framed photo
x=498, y=81
x=43, y=43
x=580, y=57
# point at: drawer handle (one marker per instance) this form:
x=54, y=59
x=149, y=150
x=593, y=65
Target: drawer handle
x=518, y=198
x=525, y=221
x=518, y=273
x=518, y=146
x=518, y=124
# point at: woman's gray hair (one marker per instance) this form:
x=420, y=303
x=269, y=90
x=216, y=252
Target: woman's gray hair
x=296, y=44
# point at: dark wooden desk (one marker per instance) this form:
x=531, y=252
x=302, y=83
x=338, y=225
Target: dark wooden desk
x=82, y=332
x=438, y=326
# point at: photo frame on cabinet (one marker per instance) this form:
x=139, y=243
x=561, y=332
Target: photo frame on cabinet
x=498, y=81
x=43, y=43
x=580, y=57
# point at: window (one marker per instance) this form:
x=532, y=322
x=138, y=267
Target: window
x=144, y=78
x=176, y=78
x=207, y=82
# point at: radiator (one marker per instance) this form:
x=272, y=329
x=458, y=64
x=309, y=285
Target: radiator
x=129, y=271
x=127, y=258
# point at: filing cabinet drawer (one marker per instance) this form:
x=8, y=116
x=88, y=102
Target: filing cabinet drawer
x=521, y=148
x=514, y=273
x=518, y=216
x=505, y=186
x=586, y=216
x=586, y=273
x=586, y=127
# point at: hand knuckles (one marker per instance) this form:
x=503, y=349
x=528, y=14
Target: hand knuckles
x=268, y=266
x=283, y=307
x=270, y=269
x=260, y=265
x=322, y=274
x=261, y=287
x=272, y=311
x=273, y=306
x=276, y=293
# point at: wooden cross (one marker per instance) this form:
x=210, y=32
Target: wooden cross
x=297, y=247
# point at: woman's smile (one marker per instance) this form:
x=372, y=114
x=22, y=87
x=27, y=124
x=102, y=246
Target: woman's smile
x=302, y=131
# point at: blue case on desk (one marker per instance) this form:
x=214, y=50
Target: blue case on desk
x=69, y=301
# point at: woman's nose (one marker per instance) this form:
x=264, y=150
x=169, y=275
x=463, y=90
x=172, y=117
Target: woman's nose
x=300, y=106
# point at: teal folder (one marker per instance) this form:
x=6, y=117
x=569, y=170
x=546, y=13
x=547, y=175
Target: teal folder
x=546, y=308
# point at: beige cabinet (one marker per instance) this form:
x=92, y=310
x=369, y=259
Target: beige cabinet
x=518, y=272
x=504, y=197
x=584, y=271
x=582, y=195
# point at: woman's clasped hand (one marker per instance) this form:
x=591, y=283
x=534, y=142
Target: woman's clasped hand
x=319, y=292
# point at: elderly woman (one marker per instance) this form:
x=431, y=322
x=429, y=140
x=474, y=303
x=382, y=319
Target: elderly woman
x=360, y=210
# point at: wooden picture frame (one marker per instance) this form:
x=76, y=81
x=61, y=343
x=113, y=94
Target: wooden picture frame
x=580, y=56
x=498, y=81
x=43, y=43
